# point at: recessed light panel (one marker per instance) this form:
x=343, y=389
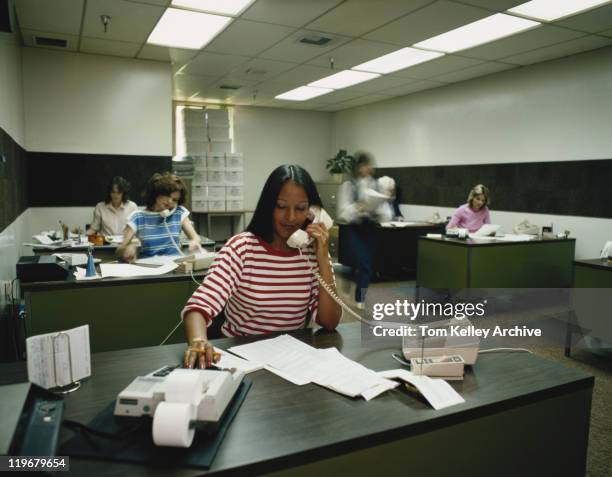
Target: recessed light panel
x=343, y=79
x=186, y=29
x=223, y=7
x=303, y=93
x=549, y=10
x=473, y=34
x=398, y=60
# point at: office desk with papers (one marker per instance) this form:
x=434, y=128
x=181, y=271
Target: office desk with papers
x=522, y=415
x=119, y=310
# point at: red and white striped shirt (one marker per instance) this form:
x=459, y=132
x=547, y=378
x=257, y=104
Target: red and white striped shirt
x=263, y=290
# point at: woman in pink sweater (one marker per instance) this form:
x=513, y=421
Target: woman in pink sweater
x=475, y=213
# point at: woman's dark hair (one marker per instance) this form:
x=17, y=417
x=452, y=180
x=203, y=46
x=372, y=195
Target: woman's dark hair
x=163, y=184
x=262, y=224
x=361, y=159
x=123, y=186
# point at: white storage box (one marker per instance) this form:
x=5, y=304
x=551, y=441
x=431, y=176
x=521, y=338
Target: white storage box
x=234, y=192
x=218, y=133
x=200, y=176
x=199, y=205
x=220, y=147
x=195, y=147
x=216, y=192
x=216, y=205
x=216, y=177
x=234, y=205
x=234, y=177
x=234, y=161
x=198, y=192
x=199, y=162
x=216, y=162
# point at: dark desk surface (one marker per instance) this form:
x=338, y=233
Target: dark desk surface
x=491, y=243
x=282, y=425
x=72, y=283
x=599, y=263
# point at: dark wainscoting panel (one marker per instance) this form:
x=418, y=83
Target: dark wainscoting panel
x=13, y=184
x=580, y=188
x=63, y=180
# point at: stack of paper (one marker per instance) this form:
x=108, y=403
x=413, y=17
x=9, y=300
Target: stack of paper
x=515, y=237
x=301, y=364
x=127, y=270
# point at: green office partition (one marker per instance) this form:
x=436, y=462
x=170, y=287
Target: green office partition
x=441, y=265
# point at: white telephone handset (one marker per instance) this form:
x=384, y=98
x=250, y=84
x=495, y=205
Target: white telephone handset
x=300, y=238
x=165, y=213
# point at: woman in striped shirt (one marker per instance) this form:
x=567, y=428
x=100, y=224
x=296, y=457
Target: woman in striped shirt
x=259, y=282
x=159, y=226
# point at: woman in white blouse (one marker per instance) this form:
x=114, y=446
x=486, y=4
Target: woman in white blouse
x=110, y=216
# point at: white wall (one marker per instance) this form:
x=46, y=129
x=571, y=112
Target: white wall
x=78, y=103
x=270, y=137
x=554, y=111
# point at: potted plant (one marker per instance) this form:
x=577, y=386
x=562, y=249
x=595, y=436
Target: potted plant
x=340, y=164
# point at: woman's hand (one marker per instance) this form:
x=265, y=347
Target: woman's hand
x=129, y=253
x=200, y=354
x=194, y=246
x=321, y=236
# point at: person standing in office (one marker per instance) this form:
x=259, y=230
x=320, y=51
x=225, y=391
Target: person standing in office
x=475, y=213
x=355, y=206
x=110, y=216
x=159, y=226
x=258, y=283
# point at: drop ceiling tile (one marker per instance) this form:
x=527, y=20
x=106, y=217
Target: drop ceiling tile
x=213, y=64
x=290, y=49
x=379, y=85
x=413, y=87
x=247, y=38
x=538, y=37
x=301, y=75
x=161, y=53
x=339, y=96
x=606, y=33
x=191, y=83
x=356, y=17
x=60, y=16
x=444, y=64
x=159, y=3
x=109, y=47
x=354, y=53
x=310, y=105
x=593, y=21
x=28, y=39
x=482, y=69
x=294, y=13
x=427, y=22
x=129, y=21
x=559, y=50
x=259, y=69
x=331, y=108
x=495, y=5
x=371, y=98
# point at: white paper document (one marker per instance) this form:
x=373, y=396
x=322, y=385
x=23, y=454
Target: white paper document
x=228, y=360
x=515, y=238
x=397, y=223
x=158, y=260
x=438, y=392
x=58, y=359
x=128, y=270
x=301, y=364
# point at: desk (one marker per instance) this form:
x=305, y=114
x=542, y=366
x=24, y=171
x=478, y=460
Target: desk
x=593, y=299
x=106, y=253
x=453, y=263
x=523, y=415
x=119, y=310
x=394, y=248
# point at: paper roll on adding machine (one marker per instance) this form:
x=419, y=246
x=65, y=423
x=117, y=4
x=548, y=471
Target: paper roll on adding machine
x=180, y=401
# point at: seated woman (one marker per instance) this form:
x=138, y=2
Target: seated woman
x=475, y=213
x=111, y=215
x=259, y=283
x=159, y=226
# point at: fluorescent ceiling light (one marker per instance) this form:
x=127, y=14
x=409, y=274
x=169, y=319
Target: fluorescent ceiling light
x=398, y=60
x=303, y=93
x=549, y=10
x=482, y=31
x=343, y=79
x=185, y=29
x=223, y=7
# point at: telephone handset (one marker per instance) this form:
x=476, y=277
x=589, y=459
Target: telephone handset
x=165, y=213
x=300, y=238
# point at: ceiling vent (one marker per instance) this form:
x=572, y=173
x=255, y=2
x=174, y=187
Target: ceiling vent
x=230, y=86
x=315, y=40
x=255, y=72
x=53, y=42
